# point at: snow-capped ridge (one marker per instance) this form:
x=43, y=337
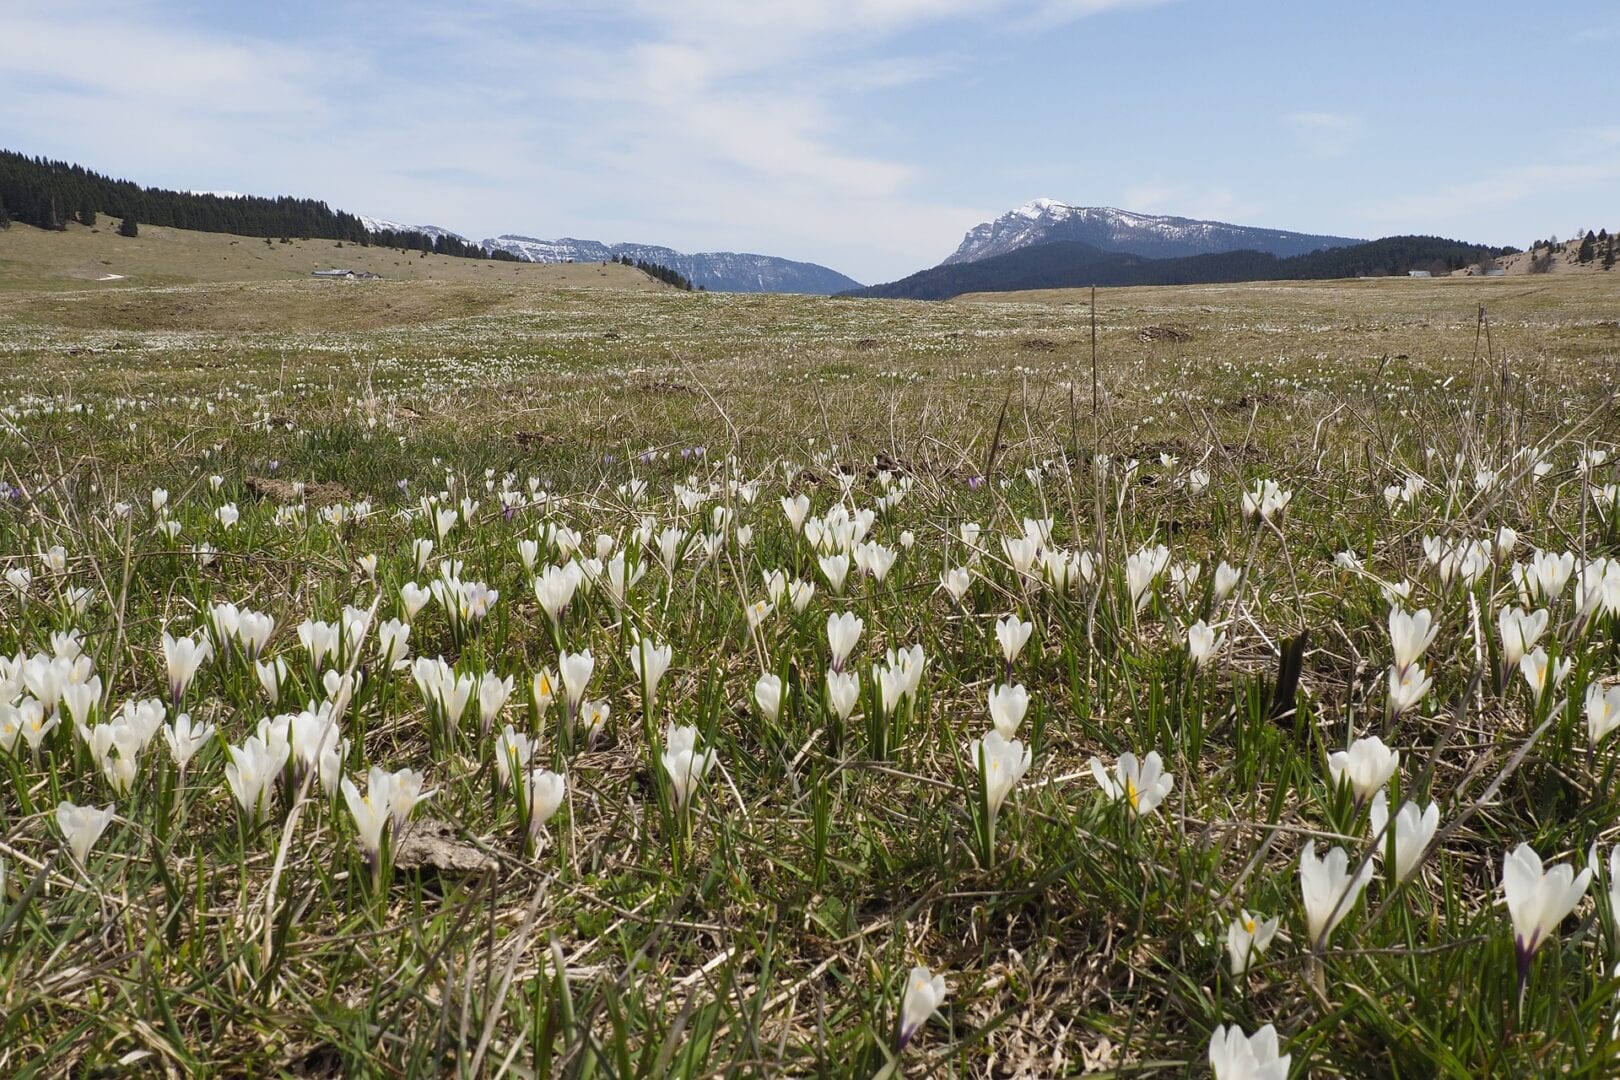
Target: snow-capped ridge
x=374, y=224
x=1045, y=220
x=717, y=271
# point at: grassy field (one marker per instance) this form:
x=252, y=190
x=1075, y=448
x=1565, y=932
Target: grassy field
x=598, y=468
x=98, y=258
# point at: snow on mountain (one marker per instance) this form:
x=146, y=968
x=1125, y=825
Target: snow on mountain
x=384, y=225
x=1152, y=236
x=717, y=271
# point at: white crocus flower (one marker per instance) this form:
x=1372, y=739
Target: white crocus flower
x=253, y=770
x=1538, y=900
x=576, y=669
x=372, y=811
x=271, y=673
x=1329, y=890
x=1246, y=938
x=1142, y=569
x=493, y=693
x=320, y=640
x=183, y=657
x=1543, y=675
x=1366, y=766
x=82, y=826
x=546, y=792
x=1602, y=711
x=768, y=695
x=393, y=644
x=683, y=762
x=185, y=739
x=1410, y=636
x=925, y=992
x=1203, y=643
x=1002, y=763
x=1013, y=634
x=843, y=691
x=835, y=568
x=1520, y=631
x=513, y=752
x=1141, y=785
x=1234, y=1056
x=1407, y=688
x=843, y=633
x=1412, y=830
x=795, y=509
x=650, y=661
x=1008, y=704
x=528, y=552
x=413, y=598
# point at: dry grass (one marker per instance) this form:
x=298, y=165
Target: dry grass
x=774, y=940
x=32, y=259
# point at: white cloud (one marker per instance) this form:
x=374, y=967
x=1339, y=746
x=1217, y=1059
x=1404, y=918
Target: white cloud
x=704, y=124
x=1184, y=200
x=1326, y=134
x=1585, y=188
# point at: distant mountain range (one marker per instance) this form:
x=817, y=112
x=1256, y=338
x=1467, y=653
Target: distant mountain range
x=432, y=232
x=1066, y=264
x=717, y=271
x=1046, y=221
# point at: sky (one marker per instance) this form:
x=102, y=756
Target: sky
x=867, y=135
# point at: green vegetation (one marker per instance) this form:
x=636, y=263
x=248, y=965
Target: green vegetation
x=583, y=896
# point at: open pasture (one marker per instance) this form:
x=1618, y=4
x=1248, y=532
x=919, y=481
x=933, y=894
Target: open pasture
x=490, y=680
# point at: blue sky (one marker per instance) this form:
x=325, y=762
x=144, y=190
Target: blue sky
x=864, y=134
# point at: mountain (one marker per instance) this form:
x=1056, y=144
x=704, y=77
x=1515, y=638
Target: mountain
x=717, y=271
x=1046, y=221
x=1067, y=264
x=432, y=232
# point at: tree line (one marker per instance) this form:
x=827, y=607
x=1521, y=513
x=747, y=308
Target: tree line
x=48, y=194
x=1071, y=264
x=659, y=271
x=1592, y=244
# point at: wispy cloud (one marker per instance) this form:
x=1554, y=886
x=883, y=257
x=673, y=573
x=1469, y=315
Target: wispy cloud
x=1326, y=134
x=1186, y=200
x=1508, y=187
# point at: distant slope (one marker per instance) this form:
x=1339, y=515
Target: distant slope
x=1046, y=221
x=77, y=257
x=1068, y=264
x=49, y=194
x=717, y=271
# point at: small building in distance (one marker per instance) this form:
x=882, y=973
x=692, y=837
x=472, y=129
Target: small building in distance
x=346, y=275
x=1418, y=273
